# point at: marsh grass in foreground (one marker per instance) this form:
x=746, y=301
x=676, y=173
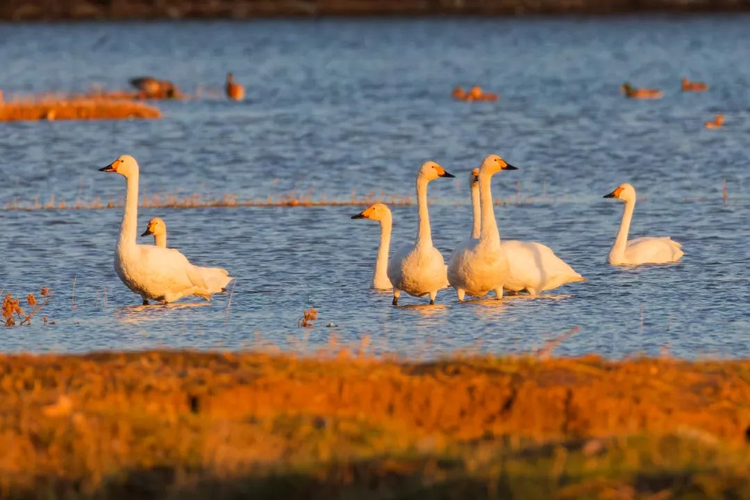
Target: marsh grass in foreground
x=198, y=425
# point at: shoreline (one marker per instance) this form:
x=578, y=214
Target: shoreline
x=342, y=423
x=122, y=10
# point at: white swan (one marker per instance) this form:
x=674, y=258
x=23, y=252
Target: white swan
x=161, y=274
x=533, y=267
x=381, y=213
x=646, y=250
x=158, y=228
x=419, y=269
x=479, y=266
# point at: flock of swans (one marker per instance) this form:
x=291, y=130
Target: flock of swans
x=479, y=265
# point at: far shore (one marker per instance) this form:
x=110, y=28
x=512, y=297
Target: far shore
x=42, y=10
x=345, y=424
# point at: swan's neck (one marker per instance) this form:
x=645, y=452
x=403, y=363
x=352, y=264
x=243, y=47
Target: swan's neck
x=424, y=236
x=621, y=242
x=476, y=210
x=489, y=231
x=381, y=264
x=129, y=228
x=160, y=240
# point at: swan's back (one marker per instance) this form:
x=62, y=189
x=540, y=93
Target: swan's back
x=535, y=267
x=653, y=250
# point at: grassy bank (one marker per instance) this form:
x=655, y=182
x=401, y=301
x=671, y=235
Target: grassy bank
x=187, y=425
x=76, y=109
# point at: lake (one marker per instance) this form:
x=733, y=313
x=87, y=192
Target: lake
x=341, y=107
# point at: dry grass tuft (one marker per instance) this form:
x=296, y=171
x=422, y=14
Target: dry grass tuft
x=13, y=314
x=76, y=109
x=306, y=321
x=191, y=425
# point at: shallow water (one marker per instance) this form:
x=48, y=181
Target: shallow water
x=342, y=106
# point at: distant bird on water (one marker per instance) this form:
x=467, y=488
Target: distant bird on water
x=151, y=88
x=235, y=91
x=718, y=123
x=688, y=86
x=634, y=93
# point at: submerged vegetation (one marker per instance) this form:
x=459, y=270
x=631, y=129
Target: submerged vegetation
x=339, y=425
x=14, y=315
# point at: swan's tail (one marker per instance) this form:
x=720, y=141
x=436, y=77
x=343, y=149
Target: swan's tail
x=216, y=279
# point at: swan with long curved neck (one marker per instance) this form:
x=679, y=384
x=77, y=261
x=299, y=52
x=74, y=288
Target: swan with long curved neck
x=156, y=273
x=419, y=269
x=532, y=266
x=646, y=250
x=480, y=265
x=382, y=214
x=158, y=228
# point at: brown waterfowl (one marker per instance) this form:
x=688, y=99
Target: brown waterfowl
x=688, y=86
x=235, y=91
x=718, y=123
x=151, y=88
x=634, y=93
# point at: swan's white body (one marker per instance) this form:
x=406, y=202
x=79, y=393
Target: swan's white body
x=646, y=250
x=381, y=213
x=533, y=267
x=419, y=269
x=480, y=265
x=156, y=273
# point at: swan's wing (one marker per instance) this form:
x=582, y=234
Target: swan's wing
x=216, y=279
x=656, y=250
x=535, y=265
x=167, y=268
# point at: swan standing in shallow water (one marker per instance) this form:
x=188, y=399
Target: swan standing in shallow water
x=532, y=266
x=646, y=250
x=479, y=266
x=419, y=269
x=381, y=213
x=158, y=229
x=153, y=272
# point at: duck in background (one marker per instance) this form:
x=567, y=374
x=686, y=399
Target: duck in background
x=634, y=93
x=688, y=86
x=717, y=123
x=235, y=91
x=151, y=88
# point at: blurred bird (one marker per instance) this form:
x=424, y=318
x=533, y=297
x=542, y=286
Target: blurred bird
x=634, y=93
x=688, y=86
x=718, y=123
x=151, y=88
x=235, y=91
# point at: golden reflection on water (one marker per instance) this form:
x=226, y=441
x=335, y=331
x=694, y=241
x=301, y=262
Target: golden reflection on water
x=140, y=313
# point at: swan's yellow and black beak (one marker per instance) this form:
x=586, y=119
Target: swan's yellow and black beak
x=508, y=166
x=147, y=232
x=112, y=167
x=445, y=174
x=360, y=215
x=614, y=194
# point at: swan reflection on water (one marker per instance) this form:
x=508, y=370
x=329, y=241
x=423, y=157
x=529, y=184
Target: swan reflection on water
x=140, y=313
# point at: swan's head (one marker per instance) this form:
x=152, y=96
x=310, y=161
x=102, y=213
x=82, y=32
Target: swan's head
x=431, y=171
x=494, y=164
x=624, y=192
x=378, y=211
x=156, y=226
x=124, y=165
x=474, y=177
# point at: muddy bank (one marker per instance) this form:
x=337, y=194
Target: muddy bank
x=185, y=424
x=243, y=9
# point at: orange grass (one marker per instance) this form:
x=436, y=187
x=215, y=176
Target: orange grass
x=255, y=425
x=76, y=109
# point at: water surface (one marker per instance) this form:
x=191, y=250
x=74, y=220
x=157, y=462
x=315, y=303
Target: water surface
x=342, y=106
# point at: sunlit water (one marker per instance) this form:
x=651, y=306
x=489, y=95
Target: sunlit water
x=338, y=106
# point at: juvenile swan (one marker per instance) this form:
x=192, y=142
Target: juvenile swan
x=480, y=265
x=158, y=229
x=533, y=267
x=381, y=213
x=646, y=250
x=153, y=272
x=419, y=269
